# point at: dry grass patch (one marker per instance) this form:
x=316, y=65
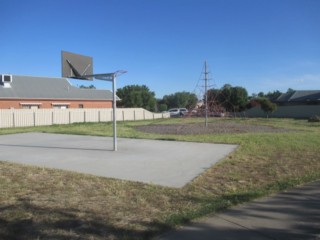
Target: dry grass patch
x=76, y=206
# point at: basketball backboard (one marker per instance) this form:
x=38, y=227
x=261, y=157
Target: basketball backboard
x=76, y=66
x=81, y=67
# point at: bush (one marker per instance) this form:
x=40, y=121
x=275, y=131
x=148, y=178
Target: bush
x=266, y=105
x=163, y=107
x=314, y=118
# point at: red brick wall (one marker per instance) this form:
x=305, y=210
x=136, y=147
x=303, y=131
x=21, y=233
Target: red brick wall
x=16, y=104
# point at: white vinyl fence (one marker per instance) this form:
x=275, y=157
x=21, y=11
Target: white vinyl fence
x=42, y=117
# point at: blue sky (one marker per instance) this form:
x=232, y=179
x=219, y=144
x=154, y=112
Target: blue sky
x=262, y=45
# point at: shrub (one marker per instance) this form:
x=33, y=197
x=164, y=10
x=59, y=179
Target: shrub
x=163, y=107
x=314, y=118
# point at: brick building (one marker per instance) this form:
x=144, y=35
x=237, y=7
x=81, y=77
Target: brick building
x=18, y=92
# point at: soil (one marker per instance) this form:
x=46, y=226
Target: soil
x=213, y=128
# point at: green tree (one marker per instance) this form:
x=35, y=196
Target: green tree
x=213, y=97
x=290, y=90
x=230, y=98
x=163, y=107
x=267, y=106
x=136, y=96
x=180, y=99
x=88, y=87
x=273, y=95
x=225, y=96
x=238, y=98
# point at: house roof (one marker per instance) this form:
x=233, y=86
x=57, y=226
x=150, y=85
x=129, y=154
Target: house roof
x=27, y=87
x=300, y=96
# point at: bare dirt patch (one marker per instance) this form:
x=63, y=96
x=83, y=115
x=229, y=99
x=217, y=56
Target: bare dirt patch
x=213, y=128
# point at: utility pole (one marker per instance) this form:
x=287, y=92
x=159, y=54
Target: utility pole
x=206, y=91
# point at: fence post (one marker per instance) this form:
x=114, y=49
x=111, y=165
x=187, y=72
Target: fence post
x=134, y=115
x=34, y=118
x=144, y=115
x=69, y=117
x=13, y=120
x=123, y=115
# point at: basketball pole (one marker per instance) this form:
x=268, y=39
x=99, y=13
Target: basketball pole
x=115, y=146
x=72, y=64
x=112, y=77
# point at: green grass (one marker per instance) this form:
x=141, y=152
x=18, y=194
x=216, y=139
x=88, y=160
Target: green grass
x=38, y=203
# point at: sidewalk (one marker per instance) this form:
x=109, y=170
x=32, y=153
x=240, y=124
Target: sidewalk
x=294, y=214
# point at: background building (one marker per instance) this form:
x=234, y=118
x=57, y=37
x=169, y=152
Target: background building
x=301, y=97
x=26, y=92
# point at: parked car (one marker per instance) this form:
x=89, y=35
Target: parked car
x=183, y=111
x=174, y=112
x=177, y=112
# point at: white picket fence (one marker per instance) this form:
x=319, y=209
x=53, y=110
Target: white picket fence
x=44, y=117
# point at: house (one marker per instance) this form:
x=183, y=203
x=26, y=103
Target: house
x=295, y=104
x=301, y=97
x=19, y=92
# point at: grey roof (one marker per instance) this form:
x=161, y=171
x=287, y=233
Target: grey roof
x=300, y=96
x=27, y=87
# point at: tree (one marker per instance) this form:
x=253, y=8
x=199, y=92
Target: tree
x=88, y=87
x=224, y=97
x=270, y=95
x=213, y=100
x=230, y=98
x=290, y=90
x=180, y=100
x=163, y=107
x=137, y=96
x=238, y=98
x=273, y=95
x=267, y=106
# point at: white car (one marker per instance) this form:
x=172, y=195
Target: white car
x=183, y=111
x=177, y=112
x=174, y=112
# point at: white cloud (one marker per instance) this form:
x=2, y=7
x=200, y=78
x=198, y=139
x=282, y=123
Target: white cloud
x=282, y=83
x=306, y=82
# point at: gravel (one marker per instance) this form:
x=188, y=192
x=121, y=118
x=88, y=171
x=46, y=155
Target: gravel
x=213, y=128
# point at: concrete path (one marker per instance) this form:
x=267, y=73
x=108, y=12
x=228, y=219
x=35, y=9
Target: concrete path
x=166, y=163
x=294, y=214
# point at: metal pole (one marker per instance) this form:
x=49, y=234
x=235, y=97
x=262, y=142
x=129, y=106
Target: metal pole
x=206, y=91
x=115, y=147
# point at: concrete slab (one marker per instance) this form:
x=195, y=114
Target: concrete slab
x=166, y=163
x=294, y=214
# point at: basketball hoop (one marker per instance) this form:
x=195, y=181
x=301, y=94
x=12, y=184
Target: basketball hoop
x=81, y=67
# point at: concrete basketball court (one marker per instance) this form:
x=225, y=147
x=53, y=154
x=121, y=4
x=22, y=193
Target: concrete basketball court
x=166, y=163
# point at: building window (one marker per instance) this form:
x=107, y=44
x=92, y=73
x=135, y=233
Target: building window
x=60, y=105
x=80, y=105
x=30, y=105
